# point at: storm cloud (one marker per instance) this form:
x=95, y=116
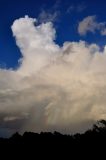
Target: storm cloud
x=54, y=88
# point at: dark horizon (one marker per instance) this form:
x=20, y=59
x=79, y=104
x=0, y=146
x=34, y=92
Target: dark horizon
x=91, y=143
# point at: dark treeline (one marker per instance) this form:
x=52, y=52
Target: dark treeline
x=47, y=143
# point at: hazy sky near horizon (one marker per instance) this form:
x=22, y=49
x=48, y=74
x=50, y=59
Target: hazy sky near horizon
x=52, y=65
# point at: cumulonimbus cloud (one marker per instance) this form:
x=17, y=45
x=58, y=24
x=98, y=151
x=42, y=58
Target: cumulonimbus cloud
x=54, y=88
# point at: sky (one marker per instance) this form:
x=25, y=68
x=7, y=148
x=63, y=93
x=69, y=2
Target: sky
x=52, y=65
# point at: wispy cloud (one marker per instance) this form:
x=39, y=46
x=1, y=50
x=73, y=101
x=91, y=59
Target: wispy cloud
x=51, y=14
x=76, y=8
x=90, y=24
x=47, y=16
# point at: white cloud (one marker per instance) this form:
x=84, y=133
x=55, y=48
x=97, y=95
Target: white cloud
x=55, y=88
x=90, y=24
x=32, y=38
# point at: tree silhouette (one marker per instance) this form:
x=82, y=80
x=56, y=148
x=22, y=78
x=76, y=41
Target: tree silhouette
x=57, y=143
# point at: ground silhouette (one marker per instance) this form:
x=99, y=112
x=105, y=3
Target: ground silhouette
x=47, y=144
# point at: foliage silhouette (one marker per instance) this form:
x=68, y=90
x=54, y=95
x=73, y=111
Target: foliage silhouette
x=92, y=141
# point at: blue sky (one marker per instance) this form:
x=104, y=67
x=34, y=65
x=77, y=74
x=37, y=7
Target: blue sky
x=69, y=14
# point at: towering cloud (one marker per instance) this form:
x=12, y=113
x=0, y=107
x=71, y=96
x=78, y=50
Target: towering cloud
x=54, y=88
